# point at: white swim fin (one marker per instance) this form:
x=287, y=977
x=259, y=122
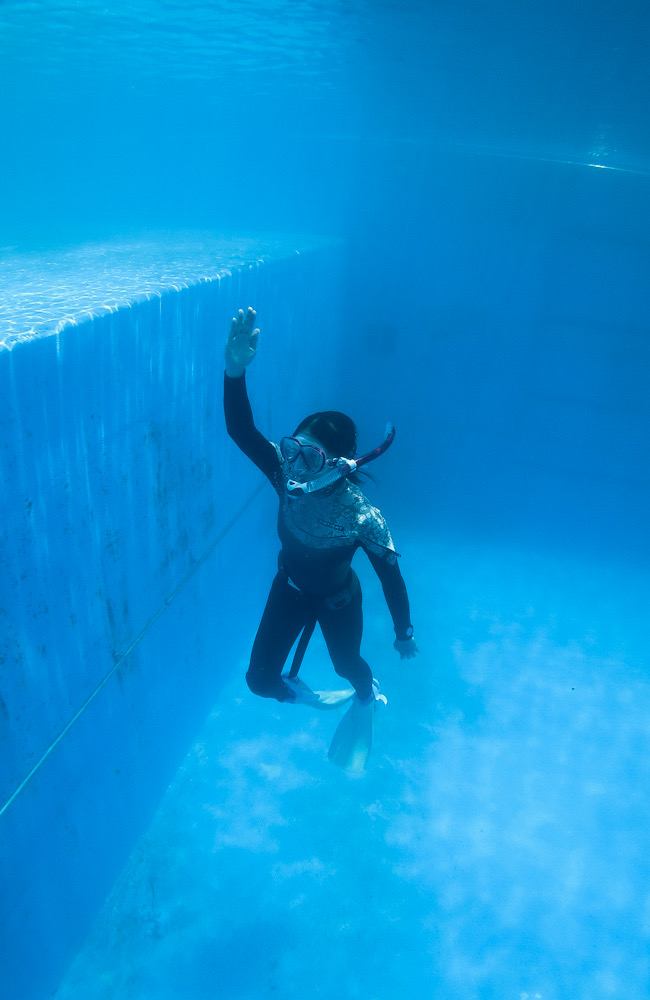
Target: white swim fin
x=352, y=741
x=324, y=700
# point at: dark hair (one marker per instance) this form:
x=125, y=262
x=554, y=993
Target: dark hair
x=334, y=430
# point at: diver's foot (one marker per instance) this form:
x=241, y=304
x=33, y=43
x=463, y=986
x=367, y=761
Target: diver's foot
x=300, y=693
x=374, y=695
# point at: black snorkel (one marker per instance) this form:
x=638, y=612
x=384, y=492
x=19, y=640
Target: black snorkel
x=339, y=468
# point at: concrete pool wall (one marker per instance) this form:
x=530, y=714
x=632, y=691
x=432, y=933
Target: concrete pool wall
x=121, y=587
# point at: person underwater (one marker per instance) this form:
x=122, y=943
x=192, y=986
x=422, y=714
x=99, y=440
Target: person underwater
x=323, y=519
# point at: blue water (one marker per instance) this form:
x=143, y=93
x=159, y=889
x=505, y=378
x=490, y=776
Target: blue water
x=480, y=175
x=276, y=116
x=494, y=848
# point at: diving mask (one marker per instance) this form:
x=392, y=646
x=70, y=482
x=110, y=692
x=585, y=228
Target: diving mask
x=334, y=468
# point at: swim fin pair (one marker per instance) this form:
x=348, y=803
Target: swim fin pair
x=352, y=741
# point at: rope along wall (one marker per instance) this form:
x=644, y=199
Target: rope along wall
x=119, y=659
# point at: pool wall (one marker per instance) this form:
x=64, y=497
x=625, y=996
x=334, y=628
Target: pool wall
x=124, y=510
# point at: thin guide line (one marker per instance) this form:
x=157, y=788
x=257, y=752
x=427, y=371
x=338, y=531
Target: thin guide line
x=122, y=657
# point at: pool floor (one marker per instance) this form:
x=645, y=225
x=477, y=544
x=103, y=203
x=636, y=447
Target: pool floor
x=495, y=848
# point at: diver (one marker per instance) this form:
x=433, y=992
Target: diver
x=323, y=519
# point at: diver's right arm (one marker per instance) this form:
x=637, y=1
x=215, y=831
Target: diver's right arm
x=240, y=351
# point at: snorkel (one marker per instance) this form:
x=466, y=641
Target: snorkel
x=339, y=468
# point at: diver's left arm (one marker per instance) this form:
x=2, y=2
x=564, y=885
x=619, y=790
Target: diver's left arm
x=392, y=582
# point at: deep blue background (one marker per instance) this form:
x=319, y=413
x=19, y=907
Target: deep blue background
x=319, y=116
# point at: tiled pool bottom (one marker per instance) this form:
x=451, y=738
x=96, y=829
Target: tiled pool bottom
x=495, y=848
x=41, y=292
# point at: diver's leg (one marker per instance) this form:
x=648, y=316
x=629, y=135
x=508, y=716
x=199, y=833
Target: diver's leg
x=284, y=616
x=342, y=629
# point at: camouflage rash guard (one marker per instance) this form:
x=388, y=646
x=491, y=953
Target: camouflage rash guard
x=320, y=532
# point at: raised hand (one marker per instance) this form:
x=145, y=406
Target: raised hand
x=241, y=344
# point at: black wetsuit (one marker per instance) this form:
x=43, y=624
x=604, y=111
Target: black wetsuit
x=320, y=532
